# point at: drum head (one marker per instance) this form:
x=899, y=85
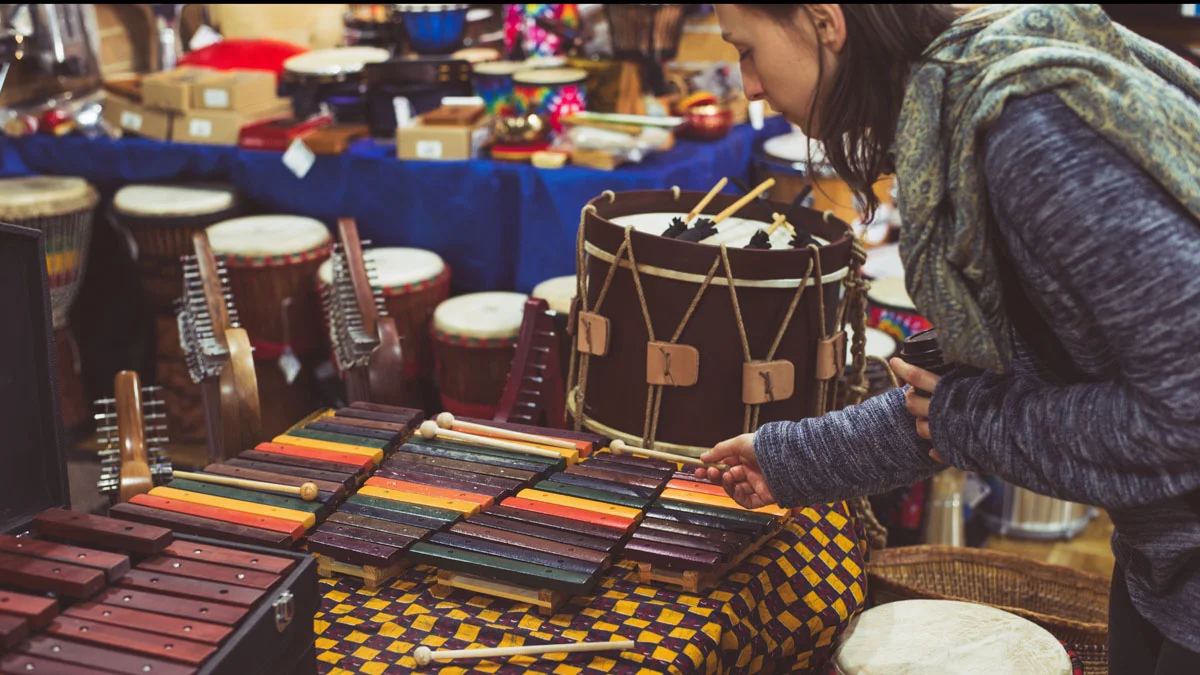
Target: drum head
x=337, y=61
x=398, y=267
x=891, y=292
x=476, y=55
x=878, y=344
x=499, y=67
x=794, y=148
x=550, y=76
x=883, y=262
x=267, y=236
x=173, y=200
x=481, y=315
x=40, y=196
x=916, y=637
x=734, y=232
x=557, y=292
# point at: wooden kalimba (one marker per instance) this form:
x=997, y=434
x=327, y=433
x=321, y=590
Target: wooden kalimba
x=85, y=594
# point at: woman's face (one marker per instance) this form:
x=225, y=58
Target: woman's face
x=780, y=63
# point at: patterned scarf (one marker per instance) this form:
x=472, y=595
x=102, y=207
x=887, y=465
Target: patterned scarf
x=1139, y=96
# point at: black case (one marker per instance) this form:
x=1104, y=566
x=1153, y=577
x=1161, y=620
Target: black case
x=277, y=637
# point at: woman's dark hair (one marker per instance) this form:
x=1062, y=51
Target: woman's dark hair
x=858, y=120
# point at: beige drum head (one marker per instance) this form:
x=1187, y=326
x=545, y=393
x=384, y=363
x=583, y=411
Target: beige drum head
x=395, y=267
x=173, y=200
x=267, y=236
x=42, y=196
x=734, y=232
x=879, y=343
x=550, y=76
x=918, y=637
x=794, y=148
x=883, y=262
x=891, y=292
x=557, y=292
x=499, y=67
x=335, y=61
x=481, y=315
x=476, y=55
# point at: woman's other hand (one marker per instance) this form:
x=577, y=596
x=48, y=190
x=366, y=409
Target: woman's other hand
x=744, y=480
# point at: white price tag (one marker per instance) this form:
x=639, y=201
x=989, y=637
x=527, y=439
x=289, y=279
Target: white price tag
x=403, y=108
x=204, y=37
x=200, y=128
x=216, y=98
x=975, y=490
x=429, y=149
x=299, y=159
x=757, y=114
x=131, y=120
x=478, y=138
x=290, y=365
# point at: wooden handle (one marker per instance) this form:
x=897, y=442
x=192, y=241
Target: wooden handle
x=424, y=655
x=618, y=446
x=780, y=219
x=430, y=430
x=749, y=197
x=134, y=477
x=307, y=492
x=447, y=421
x=707, y=198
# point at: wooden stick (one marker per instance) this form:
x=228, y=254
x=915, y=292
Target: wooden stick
x=780, y=219
x=749, y=197
x=307, y=492
x=424, y=655
x=707, y=198
x=446, y=421
x=430, y=430
x=618, y=446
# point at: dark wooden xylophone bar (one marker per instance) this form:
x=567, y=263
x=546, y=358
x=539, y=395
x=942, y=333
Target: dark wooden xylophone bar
x=206, y=571
x=205, y=591
x=255, y=461
x=603, y=496
x=70, y=581
x=591, y=469
x=500, y=569
x=353, y=551
x=13, y=629
x=158, y=603
x=311, y=434
x=152, y=512
x=615, y=487
x=649, y=535
x=199, y=631
x=56, y=649
x=604, y=463
x=474, y=529
x=368, y=523
x=566, y=537
x=389, y=437
x=399, y=517
x=14, y=664
x=230, y=557
x=701, y=520
x=111, y=564
x=357, y=462
x=37, y=610
x=103, y=532
x=371, y=424
x=481, y=455
x=329, y=490
x=478, y=464
x=252, y=496
x=556, y=522
x=514, y=552
x=173, y=648
x=668, y=556
x=651, y=522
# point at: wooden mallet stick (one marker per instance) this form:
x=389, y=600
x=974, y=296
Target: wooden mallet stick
x=424, y=655
x=707, y=198
x=780, y=219
x=430, y=430
x=746, y=199
x=446, y=421
x=618, y=446
x=307, y=491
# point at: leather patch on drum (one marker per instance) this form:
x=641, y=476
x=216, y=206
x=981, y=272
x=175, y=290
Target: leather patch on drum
x=669, y=365
x=767, y=381
x=592, y=334
x=831, y=356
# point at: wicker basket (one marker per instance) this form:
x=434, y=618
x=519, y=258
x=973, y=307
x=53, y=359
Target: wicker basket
x=1072, y=605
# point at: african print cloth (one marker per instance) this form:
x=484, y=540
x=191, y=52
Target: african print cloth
x=779, y=611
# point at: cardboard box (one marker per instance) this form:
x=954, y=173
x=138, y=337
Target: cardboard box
x=172, y=90
x=221, y=127
x=441, y=142
x=234, y=90
x=131, y=116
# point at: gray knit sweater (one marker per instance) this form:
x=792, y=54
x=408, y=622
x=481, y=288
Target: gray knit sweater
x=1106, y=409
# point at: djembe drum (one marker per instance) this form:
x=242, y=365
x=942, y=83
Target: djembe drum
x=63, y=208
x=474, y=340
x=414, y=282
x=271, y=261
x=707, y=341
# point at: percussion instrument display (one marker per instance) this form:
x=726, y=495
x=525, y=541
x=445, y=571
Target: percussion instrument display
x=323, y=75
x=523, y=34
x=785, y=158
x=62, y=207
x=669, y=358
x=558, y=292
x=944, y=636
x=413, y=282
x=1016, y=512
x=434, y=29
x=892, y=311
x=161, y=219
x=553, y=93
x=493, y=82
x=473, y=340
x=130, y=598
x=133, y=459
x=271, y=261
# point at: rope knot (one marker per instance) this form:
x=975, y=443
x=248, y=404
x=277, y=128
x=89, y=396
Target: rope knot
x=612, y=196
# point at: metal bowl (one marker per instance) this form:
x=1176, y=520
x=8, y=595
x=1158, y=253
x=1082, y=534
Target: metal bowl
x=520, y=130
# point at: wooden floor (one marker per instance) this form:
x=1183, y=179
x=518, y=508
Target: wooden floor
x=1088, y=552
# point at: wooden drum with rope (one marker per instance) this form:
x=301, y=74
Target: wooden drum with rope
x=708, y=340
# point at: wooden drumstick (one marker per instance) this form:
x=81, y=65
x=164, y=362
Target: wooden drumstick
x=707, y=198
x=430, y=430
x=307, y=491
x=746, y=199
x=618, y=446
x=424, y=655
x=780, y=219
x=446, y=421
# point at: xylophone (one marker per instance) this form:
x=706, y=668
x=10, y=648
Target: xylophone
x=89, y=595
x=336, y=451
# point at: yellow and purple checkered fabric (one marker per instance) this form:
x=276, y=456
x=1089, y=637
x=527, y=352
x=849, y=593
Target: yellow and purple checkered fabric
x=780, y=610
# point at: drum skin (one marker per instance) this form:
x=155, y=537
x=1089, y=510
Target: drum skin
x=712, y=410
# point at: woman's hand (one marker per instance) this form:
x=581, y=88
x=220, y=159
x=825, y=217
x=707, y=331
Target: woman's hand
x=744, y=480
x=917, y=404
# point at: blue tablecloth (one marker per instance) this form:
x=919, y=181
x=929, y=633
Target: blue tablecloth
x=498, y=225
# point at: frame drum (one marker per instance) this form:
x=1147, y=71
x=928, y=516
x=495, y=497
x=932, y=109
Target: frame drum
x=333, y=75
x=161, y=220
x=271, y=261
x=62, y=208
x=474, y=340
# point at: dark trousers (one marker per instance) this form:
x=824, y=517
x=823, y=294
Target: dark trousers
x=1135, y=647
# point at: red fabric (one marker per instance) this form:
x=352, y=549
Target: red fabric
x=244, y=54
